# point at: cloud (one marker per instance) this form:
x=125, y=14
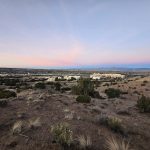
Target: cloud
x=59, y=58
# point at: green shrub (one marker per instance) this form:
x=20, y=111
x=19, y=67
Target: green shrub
x=62, y=133
x=76, y=90
x=9, y=82
x=3, y=103
x=86, y=87
x=113, y=93
x=144, y=104
x=57, y=86
x=83, y=99
x=7, y=94
x=40, y=85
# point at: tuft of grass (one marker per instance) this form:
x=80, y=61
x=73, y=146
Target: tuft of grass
x=114, y=144
x=17, y=127
x=62, y=134
x=84, y=141
x=114, y=123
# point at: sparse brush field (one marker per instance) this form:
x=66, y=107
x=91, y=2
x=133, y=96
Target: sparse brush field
x=74, y=115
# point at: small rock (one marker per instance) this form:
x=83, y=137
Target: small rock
x=123, y=112
x=96, y=109
x=21, y=115
x=78, y=118
x=69, y=116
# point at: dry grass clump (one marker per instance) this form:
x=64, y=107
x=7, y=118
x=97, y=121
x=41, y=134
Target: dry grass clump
x=114, y=123
x=34, y=123
x=62, y=134
x=84, y=141
x=17, y=127
x=114, y=144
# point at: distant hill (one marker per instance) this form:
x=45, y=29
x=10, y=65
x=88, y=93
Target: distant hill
x=45, y=71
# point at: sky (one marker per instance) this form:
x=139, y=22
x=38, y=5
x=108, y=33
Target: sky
x=74, y=33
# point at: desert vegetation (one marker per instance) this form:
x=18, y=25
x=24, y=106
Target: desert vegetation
x=114, y=144
x=82, y=114
x=7, y=93
x=62, y=134
x=83, y=99
x=143, y=104
x=113, y=93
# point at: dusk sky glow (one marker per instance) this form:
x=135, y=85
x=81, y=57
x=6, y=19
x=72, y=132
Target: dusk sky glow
x=74, y=33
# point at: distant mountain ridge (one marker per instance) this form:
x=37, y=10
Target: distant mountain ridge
x=110, y=69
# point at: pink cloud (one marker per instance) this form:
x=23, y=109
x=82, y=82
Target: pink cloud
x=60, y=58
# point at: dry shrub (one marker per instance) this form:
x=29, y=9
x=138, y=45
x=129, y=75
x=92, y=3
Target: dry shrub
x=114, y=144
x=114, y=123
x=62, y=133
x=84, y=141
x=17, y=127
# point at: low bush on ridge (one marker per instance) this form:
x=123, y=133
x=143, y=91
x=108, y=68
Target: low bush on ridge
x=40, y=85
x=143, y=104
x=83, y=99
x=7, y=94
x=113, y=93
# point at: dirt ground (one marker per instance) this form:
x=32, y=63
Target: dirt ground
x=53, y=108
